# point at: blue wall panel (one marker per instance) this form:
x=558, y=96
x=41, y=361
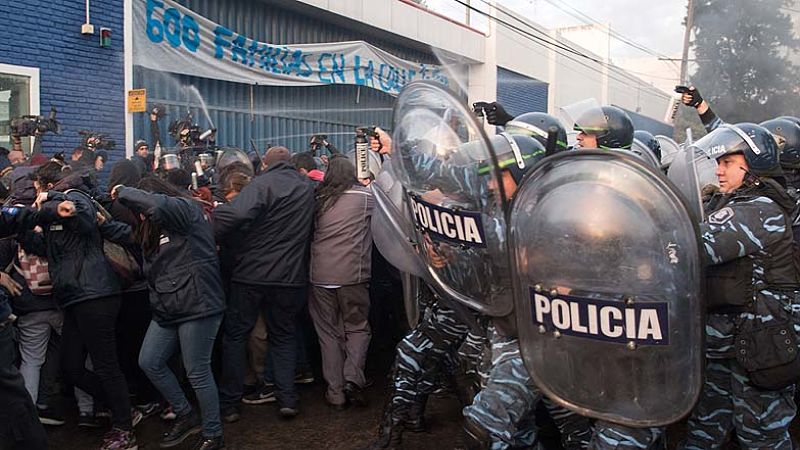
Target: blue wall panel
x=279, y=115
x=520, y=94
x=82, y=80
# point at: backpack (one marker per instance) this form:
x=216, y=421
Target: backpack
x=121, y=260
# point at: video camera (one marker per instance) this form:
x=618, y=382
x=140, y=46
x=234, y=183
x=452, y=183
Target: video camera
x=318, y=141
x=189, y=134
x=35, y=125
x=96, y=141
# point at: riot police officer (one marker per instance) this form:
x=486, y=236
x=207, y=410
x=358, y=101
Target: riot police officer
x=751, y=345
x=502, y=415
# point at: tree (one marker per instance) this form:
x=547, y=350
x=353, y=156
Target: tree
x=742, y=49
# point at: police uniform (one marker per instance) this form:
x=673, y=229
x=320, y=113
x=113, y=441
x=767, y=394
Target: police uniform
x=746, y=240
x=505, y=408
x=421, y=357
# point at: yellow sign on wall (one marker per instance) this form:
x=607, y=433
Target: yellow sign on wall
x=137, y=100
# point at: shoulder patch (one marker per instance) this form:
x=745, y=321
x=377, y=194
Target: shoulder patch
x=720, y=217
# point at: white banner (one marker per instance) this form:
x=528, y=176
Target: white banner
x=171, y=38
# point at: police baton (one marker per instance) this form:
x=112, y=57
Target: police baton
x=552, y=141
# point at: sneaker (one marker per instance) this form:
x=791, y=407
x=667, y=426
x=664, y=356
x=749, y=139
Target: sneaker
x=304, y=377
x=90, y=420
x=205, y=443
x=102, y=412
x=168, y=413
x=117, y=439
x=230, y=414
x=49, y=416
x=264, y=395
x=183, y=427
x=354, y=394
x=136, y=417
x=149, y=409
x=250, y=388
x=288, y=413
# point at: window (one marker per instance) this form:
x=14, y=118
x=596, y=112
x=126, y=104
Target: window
x=19, y=96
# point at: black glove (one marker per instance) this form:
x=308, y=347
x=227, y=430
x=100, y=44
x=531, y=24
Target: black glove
x=496, y=115
x=691, y=91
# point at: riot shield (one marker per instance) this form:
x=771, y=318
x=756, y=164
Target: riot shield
x=669, y=148
x=392, y=230
x=683, y=174
x=411, y=292
x=608, y=288
x=228, y=156
x=440, y=155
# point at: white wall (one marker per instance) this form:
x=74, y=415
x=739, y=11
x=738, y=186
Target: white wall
x=571, y=78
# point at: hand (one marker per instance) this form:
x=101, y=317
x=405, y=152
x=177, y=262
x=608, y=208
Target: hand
x=40, y=199
x=66, y=209
x=436, y=259
x=385, y=141
x=497, y=115
x=364, y=181
x=101, y=219
x=115, y=191
x=325, y=160
x=689, y=96
x=11, y=286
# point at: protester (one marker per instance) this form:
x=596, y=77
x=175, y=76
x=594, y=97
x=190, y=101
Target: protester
x=340, y=273
x=273, y=217
x=88, y=290
x=186, y=296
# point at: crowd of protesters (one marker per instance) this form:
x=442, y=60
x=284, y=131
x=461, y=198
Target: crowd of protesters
x=124, y=290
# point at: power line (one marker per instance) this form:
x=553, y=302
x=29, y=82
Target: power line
x=588, y=20
x=565, y=48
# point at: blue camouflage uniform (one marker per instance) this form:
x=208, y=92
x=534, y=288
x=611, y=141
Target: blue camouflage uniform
x=750, y=226
x=505, y=407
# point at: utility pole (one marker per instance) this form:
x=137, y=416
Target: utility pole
x=686, y=38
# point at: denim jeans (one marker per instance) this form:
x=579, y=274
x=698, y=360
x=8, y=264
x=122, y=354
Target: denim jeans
x=196, y=341
x=280, y=306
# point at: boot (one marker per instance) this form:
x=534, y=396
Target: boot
x=415, y=420
x=476, y=437
x=390, y=432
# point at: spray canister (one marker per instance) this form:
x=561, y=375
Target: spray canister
x=672, y=108
x=362, y=157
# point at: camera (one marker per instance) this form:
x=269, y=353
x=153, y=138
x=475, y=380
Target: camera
x=35, y=125
x=159, y=111
x=96, y=141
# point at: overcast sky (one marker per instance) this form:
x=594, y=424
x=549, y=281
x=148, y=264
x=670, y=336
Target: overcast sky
x=655, y=24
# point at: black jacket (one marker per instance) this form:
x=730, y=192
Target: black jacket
x=183, y=273
x=270, y=224
x=78, y=267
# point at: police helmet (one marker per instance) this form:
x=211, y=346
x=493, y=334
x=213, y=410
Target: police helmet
x=613, y=128
x=753, y=141
x=787, y=136
x=790, y=118
x=650, y=141
x=515, y=153
x=536, y=125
